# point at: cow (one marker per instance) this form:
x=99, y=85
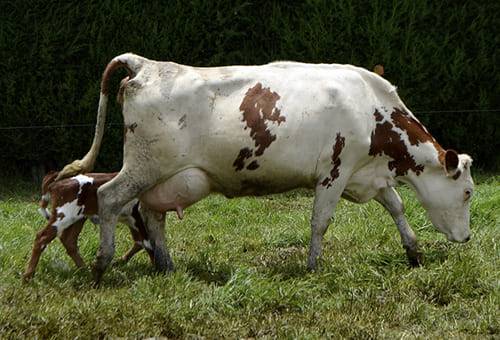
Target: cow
x=340, y=130
x=73, y=200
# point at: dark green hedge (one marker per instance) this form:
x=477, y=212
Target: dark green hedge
x=442, y=55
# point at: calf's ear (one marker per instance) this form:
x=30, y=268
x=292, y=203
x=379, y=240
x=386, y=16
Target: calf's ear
x=451, y=162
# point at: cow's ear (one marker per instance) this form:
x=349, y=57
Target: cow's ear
x=451, y=162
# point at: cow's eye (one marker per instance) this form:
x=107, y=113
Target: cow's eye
x=467, y=194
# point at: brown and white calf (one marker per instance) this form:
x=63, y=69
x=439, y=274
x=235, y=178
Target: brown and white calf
x=73, y=200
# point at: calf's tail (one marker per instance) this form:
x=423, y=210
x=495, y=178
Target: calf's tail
x=43, y=203
x=44, y=200
x=133, y=64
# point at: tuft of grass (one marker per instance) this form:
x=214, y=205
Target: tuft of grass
x=241, y=272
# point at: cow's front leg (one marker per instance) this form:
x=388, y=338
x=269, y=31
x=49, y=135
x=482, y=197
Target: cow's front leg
x=155, y=228
x=390, y=200
x=112, y=197
x=325, y=200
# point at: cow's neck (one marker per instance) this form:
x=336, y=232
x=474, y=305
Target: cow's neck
x=405, y=142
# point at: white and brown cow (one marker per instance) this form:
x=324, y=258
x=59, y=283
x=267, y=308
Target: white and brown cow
x=72, y=201
x=252, y=130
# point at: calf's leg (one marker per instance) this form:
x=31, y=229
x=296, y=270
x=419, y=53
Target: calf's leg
x=390, y=200
x=43, y=238
x=137, y=227
x=69, y=239
x=131, y=252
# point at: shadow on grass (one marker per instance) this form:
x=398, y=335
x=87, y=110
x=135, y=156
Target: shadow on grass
x=285, y=262
x=385, y=261
x=210, y=273
x=117, y=275
x=436, y=252
x=289, y=270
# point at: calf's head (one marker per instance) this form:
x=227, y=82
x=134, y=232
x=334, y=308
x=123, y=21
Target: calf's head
x=445, y=191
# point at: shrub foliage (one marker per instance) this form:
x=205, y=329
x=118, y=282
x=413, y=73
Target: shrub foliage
x=442, y=55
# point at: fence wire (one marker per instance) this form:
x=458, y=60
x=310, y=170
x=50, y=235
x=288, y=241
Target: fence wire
x=64, y=126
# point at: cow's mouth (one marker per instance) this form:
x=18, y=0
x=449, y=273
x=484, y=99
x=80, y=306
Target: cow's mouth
x=452, y=238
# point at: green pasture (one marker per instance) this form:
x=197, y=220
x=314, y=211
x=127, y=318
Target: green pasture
x=241, y=273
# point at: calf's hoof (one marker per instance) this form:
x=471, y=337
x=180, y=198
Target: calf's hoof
x=27, y=277
x=120, y=261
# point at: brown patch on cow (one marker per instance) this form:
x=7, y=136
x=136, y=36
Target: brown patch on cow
x=132, y=127
x=253, y=166
x=123, y=84
x=378, y=116
x=182, y=122
x=415, y=130
x=239, y=162
x=259, y=107
x=384, y=140
x=335, y=172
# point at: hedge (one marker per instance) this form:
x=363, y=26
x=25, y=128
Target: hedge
x=442, y=55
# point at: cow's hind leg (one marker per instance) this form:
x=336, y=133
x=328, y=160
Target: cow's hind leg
x=112, y=197
x=390, y=200
x=69, y=239
x=43, y=238
x=325, y=200
x=155, y=228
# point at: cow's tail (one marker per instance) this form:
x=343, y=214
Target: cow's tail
x=133, y=64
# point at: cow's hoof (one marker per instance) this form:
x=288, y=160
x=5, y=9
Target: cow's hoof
x=414, y=258
x=311, y=266
x=97, y=276
x=162, y=261
x=164, y=266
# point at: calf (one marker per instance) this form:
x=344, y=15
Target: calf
x=73, y=200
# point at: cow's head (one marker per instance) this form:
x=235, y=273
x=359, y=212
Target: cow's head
x=445, y=191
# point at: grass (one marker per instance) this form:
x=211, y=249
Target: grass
x=240, y=272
